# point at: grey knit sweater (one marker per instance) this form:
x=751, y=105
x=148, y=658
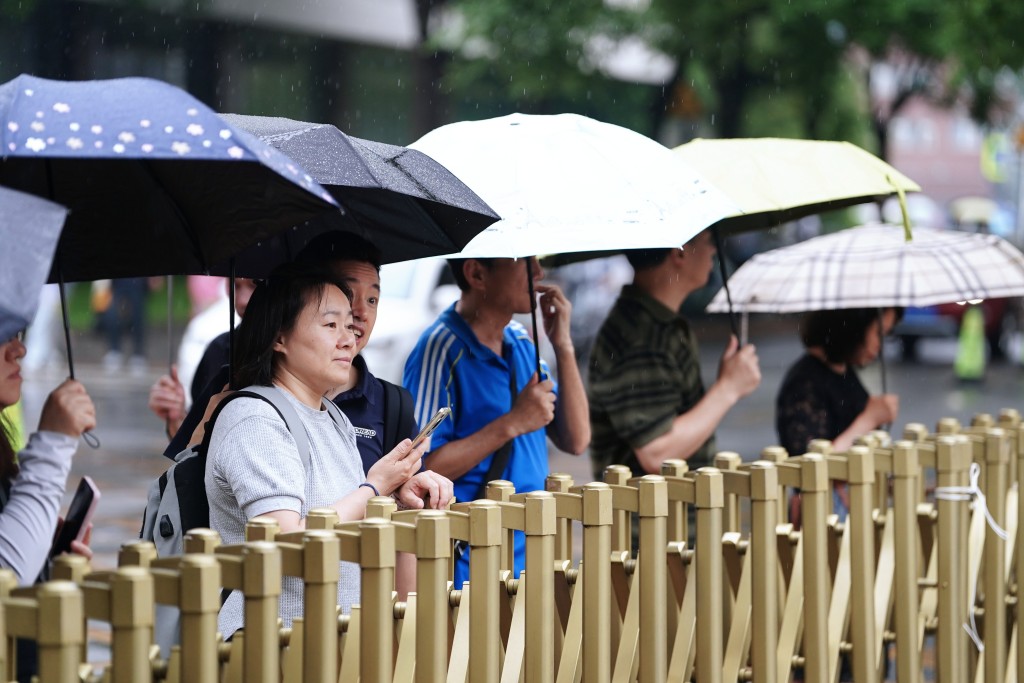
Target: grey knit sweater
x=253, y=467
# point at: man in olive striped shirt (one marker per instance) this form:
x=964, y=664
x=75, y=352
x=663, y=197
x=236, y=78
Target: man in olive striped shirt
x=648, y=402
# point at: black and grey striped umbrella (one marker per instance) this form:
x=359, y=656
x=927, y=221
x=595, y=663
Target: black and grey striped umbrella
x=875, y=266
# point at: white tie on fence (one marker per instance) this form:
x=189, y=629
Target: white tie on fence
x=973, y=493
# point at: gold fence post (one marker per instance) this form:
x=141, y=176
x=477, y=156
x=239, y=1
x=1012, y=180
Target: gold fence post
x=995, y=485
x=1009, y=421
x=202, y=541
x=501, y=490
x=321, y=562
x=485, y=538
x=559, y=482
x=73, y=568
x=597, y=582
x=905, y=472
x=764, y=495
x=136, y=554
x=261, y=587
x=540, y=587
x=433, y=547
x=59, y=634
x=778, y=455
x=1019, y=552
x=199, y=601
x=947, y=425
x=376, y=613
x=709, y=498
x=8, y=582
x=622, y=524
x=381, y=507
x=953, y=457
x=816, y=504
x=729, y=461
x=861, y=478
x=321, y=518
x=677, y=530
x=131, y=622
x=653, y=514
x=261, y=529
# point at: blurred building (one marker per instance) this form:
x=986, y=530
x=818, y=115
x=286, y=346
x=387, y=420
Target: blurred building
x=939, y=148
x=360, y=64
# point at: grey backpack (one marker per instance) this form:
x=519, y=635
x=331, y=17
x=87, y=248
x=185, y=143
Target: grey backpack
x=177, y=501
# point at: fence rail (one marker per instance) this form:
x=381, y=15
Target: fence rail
x=684, y=576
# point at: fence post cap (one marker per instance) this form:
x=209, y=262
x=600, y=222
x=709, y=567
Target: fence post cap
x=597, y=504
x=814, y=472
x=905, y=461
x=261, y=569
x=484, y=523
x=200, y=579
x=709, y=488
x=764, y=480
x=540, y=514
x=860, y=465
x=61, y=609
x=674, y=468
x=433, y=534
x=652, y=492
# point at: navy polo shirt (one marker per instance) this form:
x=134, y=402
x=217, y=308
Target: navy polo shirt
x=363, y=405
x=450, y=367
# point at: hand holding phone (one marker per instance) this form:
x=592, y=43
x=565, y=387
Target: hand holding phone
x=435, y=421
x=79, y=515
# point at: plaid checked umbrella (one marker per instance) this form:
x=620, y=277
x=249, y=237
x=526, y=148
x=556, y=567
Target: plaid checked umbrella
x=875, y=266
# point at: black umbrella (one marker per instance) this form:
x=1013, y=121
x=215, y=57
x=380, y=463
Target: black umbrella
x=29, y=229
x=156, y=182
x=400, y=199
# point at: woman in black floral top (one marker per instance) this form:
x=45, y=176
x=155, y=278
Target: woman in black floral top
x=821, y=396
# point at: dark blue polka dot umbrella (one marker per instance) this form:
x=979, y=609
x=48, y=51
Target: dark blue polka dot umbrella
x=156, y=182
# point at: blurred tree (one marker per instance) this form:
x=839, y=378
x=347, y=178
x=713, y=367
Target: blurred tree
x=806, y=68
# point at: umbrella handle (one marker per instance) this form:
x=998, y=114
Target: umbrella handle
x=716, y=233
x=533, y=314
x=88, y=437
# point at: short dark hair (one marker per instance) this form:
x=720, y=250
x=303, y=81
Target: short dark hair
x=839, y=332
x=273, y=309
x=339, y=245
x=457, y=264
x=645, y=259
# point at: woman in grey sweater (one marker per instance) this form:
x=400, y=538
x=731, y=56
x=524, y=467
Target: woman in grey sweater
x=32, y=482
x=297, y=337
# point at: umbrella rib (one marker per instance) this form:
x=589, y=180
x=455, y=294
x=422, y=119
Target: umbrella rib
x=190, y=233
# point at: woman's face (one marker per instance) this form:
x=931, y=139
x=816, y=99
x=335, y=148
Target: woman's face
x=872, y=344
x=11, y=353
x=320, y=347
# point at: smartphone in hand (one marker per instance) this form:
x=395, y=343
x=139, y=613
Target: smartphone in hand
x=79, y=515
x=438, y=418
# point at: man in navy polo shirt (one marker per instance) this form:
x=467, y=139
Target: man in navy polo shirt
x=468, y=361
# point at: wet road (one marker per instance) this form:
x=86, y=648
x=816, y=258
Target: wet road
x=132, y=438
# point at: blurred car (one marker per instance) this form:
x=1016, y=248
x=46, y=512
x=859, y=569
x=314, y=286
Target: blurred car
x=412, y=295
x=1003, y=319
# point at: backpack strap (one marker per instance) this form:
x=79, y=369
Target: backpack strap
x=393, y=405
x=286, y=410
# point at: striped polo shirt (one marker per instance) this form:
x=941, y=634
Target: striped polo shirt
x=450, y=367
x=644, y=371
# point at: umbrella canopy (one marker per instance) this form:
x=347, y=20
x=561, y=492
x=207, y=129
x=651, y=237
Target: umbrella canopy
x=156, y=182
x=403, y=201
x=774, y=180
x=567, y=183
x=29, y=229
x=874, y=266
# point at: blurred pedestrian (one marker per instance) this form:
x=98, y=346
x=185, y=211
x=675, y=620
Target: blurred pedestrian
x=126, y=314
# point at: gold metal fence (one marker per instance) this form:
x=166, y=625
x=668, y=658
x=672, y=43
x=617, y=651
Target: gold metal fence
x=919, y=562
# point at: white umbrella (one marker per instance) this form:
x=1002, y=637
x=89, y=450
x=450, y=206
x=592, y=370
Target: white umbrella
x=567, y=183
x=873, y=266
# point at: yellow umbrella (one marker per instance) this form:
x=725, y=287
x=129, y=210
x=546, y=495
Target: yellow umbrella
x=774, y=180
